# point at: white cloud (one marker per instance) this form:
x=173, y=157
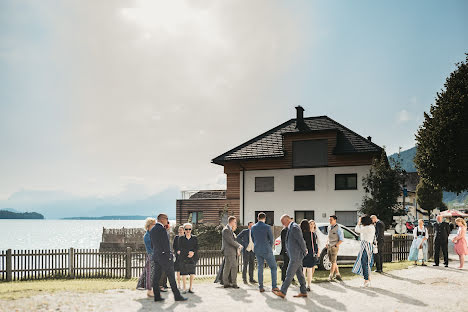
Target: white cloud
x=156, y=89
x=404, y=116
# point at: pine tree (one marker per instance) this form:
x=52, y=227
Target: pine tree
x=442, y=139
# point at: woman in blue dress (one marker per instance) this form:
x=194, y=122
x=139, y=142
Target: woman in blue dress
x=146, y=278
x=418, y=250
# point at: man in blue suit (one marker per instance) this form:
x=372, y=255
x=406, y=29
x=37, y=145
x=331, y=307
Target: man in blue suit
x=245, y=239
x=262, y=237
x=297, y=249
x=163, y=258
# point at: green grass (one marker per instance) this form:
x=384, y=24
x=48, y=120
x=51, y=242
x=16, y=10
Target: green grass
x=21, y=289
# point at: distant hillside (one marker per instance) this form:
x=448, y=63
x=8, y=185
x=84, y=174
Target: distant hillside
x=5, y=214
x=132, y=201
x=406, y=159
x=108, y=218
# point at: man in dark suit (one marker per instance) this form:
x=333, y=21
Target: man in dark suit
x=441, y=234
x=248, y=256
x=379, y=235
x=297, y=249
x=163, y=258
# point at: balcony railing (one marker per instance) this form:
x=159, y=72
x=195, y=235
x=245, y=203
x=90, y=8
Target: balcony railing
x=203, y=194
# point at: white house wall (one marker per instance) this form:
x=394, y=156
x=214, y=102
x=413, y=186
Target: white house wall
x=325, y=200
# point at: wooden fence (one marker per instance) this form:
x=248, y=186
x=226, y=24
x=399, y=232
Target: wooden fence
x=18, y=265
x=397, y=247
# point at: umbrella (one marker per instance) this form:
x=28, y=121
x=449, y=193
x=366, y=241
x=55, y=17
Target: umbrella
x=453, y=213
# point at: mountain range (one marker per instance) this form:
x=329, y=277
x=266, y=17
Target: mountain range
x=58, y=204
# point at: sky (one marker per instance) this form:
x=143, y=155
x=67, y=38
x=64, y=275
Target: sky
x=132, y=98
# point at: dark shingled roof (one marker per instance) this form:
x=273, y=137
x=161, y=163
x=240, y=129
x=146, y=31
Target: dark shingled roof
x=270, y=143
x=209, y=194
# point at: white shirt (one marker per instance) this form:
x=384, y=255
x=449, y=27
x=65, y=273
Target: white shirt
x=250, y=246
x=367, y=232
x=423, y=229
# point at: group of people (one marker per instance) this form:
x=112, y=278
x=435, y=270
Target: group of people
x=300, y=252
x=419, y=246
x=161, y=265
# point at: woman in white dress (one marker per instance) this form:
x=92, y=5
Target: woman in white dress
x=365, y=258
x=418, y=250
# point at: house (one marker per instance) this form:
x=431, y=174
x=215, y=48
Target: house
x=306, y=167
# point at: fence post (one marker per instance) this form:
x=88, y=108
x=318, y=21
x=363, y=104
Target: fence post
x=71, y=263
x=8, y=266
x=128, y=263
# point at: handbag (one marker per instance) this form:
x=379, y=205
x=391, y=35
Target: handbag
x=375, y=248
x=189, y=265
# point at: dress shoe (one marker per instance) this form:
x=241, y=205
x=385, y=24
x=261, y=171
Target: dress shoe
x=180, y=298
x=253, y=281
x=158, y=299
x=300, y=295
x=235, y=286
x=435, y=264
x=446, y=265
x=279, y=293
x=262, y=290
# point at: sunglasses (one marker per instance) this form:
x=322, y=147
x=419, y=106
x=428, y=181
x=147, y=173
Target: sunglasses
x=188, y=229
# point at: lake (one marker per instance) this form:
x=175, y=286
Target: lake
x=57, y=234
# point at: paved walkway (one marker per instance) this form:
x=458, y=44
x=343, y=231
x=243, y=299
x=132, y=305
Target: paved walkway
x=414, y=289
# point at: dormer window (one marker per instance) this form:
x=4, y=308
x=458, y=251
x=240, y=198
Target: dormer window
x=310, y=153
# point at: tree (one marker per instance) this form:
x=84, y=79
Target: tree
x=442, y=153
x=429, y=197
x=383, y=187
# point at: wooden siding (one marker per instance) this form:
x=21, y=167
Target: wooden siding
x=356, y=159
x=211, y=209
x=233, y=185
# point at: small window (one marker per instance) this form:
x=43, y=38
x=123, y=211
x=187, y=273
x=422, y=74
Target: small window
x=270, y=217
x=300, y=215
x=264, y=184
x=347, y=218
x=346, y=181
x=195, y=217
x=304, y=183
x=310, y=153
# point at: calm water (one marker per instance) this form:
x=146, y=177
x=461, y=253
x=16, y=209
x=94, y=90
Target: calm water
x=57, y=234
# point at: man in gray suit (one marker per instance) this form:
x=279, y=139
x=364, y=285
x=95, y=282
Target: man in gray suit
x=231, y=250
x=297, y=249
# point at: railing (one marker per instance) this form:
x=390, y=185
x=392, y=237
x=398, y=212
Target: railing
x=18, y=265
x=397, y=247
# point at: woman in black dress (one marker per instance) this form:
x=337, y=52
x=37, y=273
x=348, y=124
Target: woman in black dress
x=188, y=256
x=176, y=250
x=309, y=261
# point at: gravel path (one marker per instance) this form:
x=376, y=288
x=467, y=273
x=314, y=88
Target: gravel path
x=414, y=289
